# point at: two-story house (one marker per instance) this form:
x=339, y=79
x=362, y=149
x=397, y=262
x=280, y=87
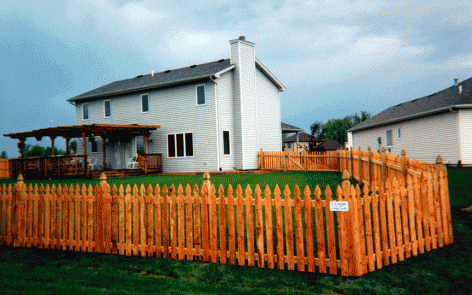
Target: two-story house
x=212, y=116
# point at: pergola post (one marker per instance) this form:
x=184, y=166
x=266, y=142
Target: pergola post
x=53, y=152
x=104, y=150
x=85, y=143
x=145, y=142
x=21, y=147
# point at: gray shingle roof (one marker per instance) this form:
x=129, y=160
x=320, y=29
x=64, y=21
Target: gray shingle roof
x=302, y=137
x=287, y=128
x=161, y=79
x=424, y=106
x=328, y=145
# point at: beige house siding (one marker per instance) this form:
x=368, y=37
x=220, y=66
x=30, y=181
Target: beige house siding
x=465, y=123
x=423, y=138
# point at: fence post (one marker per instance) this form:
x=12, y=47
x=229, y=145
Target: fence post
x=351, y=164
x=403, y=164
x=384, y=166
x=260, y=160
x=16, y=203
x=345, y=160
x=99, y=206
x=285, y=161
x=359, y=158
x=369, y=165
x=206, y=180
x=304, y=159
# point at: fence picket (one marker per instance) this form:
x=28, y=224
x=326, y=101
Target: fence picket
x=269, y=230
x=279, y=228
x=288, y=228
x=391, y=222
x=383, y=223
x=231, y=227
x=205, y=225
x=320, y=231
x=165, y=223
x=222, y=223
x=309, y=230
x=368, y=228
x=330, y=228
x=150, y=222
x=181, y=225
x=107, y=219
x=196, y=218
x=249, y=226
x=173, y=223
x=437, y=210
x=121, y=206
x=425, y=211
x=158, y=219
x=259, y=228
x=240, y=228
x=405, y=227
x=299, y=230
x=189, y=223
x=376, y=224
x=114, y=217
x=398, y=221
x=135, y=221
x=213, y=225
x=128, y=204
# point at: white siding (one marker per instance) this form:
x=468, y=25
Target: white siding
x=176, y=111
x=423, y=138
x=242, y=54
x=268, y=114
x=465, y=123
x=226, y=105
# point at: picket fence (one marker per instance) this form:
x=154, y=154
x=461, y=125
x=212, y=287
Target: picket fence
x=383, y=225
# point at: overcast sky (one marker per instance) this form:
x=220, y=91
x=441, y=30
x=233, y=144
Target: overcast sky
x=334, y=57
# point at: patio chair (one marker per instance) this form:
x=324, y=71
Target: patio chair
x=132, y=163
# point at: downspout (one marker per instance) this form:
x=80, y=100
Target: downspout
x=217, y=126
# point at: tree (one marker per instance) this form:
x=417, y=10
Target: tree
x=3, y=155
x=73, y=146
x=34, y=151
x=337, y=128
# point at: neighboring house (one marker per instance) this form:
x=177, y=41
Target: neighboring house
x=304, y=142
x=212, y=116
x=328, y=145
x=437, y=124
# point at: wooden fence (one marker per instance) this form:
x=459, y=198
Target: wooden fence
x=388, y=166
x=382, y=226
x=4, y=168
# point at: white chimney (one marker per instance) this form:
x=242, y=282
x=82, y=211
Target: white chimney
x=152, y=73
x=456, y=80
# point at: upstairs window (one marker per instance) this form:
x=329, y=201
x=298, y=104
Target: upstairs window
x=226, y=149
x=145, y=103
x=200, y=94
x=389, y=138
x=107, y=109
x=399, y=134
x=85, y=114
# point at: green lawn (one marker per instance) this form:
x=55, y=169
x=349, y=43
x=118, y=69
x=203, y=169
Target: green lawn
x=442, y=271
x=281, y=178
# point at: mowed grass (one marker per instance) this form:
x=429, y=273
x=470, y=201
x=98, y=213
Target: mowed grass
x=272, y=179
x=442, y=271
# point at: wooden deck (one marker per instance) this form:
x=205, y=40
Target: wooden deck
x=76, y=166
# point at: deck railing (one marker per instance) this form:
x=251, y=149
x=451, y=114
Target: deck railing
x=149, y=162
x=44, y=167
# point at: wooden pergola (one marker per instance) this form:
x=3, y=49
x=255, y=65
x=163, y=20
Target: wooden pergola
x=85, y=131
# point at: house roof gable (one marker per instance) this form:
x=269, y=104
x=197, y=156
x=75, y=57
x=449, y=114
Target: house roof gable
x=302, y=137
x=435, y=103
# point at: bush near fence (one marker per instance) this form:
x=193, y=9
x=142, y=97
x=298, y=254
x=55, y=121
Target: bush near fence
x=384, y=224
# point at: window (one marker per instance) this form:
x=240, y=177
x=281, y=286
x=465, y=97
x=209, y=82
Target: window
x=399, y=135
x=200, y=94
x=180, y=145
x=389, y=138
x=226, y=149
x=107, y=108
x=85, y=111
x=145, y=103
x=289, y=145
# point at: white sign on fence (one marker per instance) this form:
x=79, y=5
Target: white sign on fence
x=338, y=206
